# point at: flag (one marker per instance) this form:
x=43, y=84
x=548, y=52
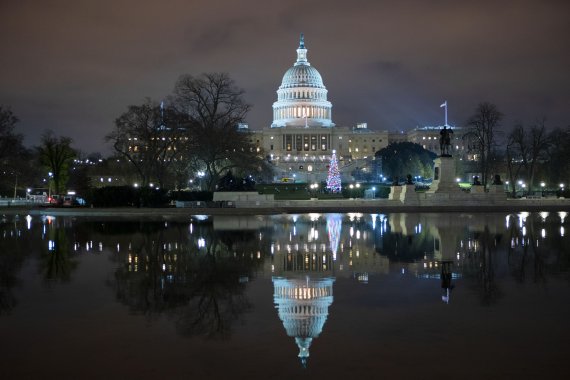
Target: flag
x=444, y=104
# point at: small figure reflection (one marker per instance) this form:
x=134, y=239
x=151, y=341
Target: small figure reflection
x=446, y=280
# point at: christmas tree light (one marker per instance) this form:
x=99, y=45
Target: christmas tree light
x=333, y=179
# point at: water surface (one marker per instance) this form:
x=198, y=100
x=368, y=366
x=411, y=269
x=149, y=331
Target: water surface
x=313, y=295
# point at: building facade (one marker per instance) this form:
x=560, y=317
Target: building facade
x=302, y=136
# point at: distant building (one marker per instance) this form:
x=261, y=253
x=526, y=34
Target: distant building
x=302, y=136
x=429, y=137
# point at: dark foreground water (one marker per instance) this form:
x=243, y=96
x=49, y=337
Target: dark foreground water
x=289, y=296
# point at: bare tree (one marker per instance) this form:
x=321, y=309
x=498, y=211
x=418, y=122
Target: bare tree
x=15, y=159
x=215, y=107
x=531, y=146
x=8, y=138
x=513, y=156
x=56, y=154
x=149, y=137
x=558, y=164
x=483, y=133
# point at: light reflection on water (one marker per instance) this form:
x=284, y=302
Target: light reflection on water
x=201, y=272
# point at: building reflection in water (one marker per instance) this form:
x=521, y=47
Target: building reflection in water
x=303, y=307
x=164, y=266
x=303, y=280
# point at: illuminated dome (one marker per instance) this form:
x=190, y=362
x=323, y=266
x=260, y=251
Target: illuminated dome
x=302, y=76
x=303, y=307
x=302, y=96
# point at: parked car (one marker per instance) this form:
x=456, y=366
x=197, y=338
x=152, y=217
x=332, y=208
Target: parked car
x=55, y=200
x=68, y=201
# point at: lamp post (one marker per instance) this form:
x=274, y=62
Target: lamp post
x=50, y=175
x=542, y=185
x=200, y=175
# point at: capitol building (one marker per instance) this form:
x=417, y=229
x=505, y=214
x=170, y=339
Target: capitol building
x=302, y=136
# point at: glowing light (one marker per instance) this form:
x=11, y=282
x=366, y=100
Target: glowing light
x=334, y=226
x=522, y=218
x=314, y=217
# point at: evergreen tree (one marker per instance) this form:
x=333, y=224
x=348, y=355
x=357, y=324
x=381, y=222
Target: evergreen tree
x=333, y=179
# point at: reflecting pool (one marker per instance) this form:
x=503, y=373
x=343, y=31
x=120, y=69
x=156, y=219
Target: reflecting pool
x=309, y=295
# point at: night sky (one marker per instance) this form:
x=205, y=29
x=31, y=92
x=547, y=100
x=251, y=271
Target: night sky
x=74, y=66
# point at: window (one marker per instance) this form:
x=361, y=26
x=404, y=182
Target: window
x=313, y=142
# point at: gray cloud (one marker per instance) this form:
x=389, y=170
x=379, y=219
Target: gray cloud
x=75, y=66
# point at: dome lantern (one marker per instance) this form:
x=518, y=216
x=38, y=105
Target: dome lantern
x=302, y=53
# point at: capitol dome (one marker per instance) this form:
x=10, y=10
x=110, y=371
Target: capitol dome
x=302, y=96
x=302, y=76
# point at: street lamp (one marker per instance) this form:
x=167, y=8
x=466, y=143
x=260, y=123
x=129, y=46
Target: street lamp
x=50, y=175
x=200, y=175
x=542, y=184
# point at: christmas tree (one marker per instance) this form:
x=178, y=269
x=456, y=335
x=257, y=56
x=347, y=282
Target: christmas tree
x=333, y=179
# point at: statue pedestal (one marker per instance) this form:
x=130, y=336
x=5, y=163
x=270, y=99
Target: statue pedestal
x=477, y=189
x=444, y=176
x=409, y=195
x=395, y=192
x=498, y=192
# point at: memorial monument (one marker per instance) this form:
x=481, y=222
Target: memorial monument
x=444, y=170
